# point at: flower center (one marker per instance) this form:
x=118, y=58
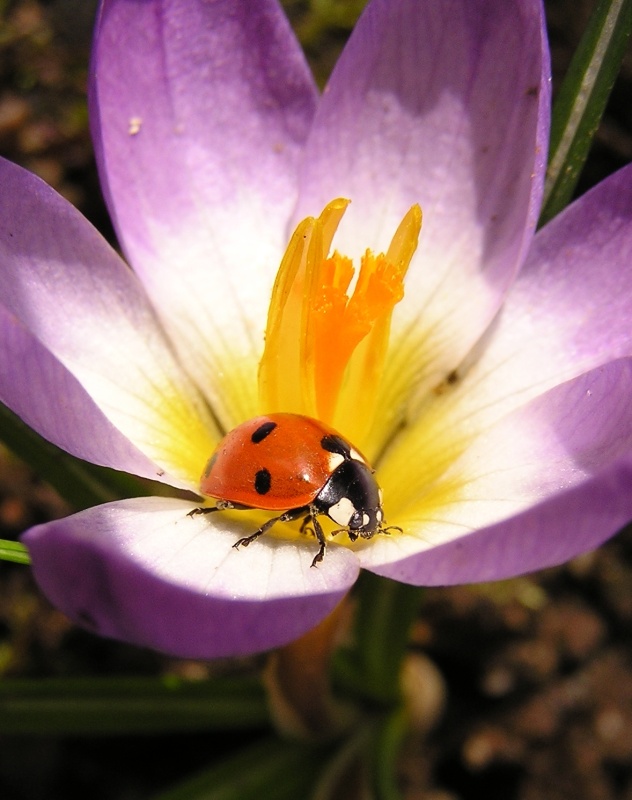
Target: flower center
x=326, y=344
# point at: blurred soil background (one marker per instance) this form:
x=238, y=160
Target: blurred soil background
x=535, y=688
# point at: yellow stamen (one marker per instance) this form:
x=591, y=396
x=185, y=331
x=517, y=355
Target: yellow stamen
x=324, y=346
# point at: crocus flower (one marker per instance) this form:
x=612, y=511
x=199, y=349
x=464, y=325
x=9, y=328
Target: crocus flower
x=493, y=399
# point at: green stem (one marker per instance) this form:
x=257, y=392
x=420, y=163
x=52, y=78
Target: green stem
x=83, y=485
x=14, y=551
x=582, y=99
x=387, y=747
x=97, y=707
x=385, y=613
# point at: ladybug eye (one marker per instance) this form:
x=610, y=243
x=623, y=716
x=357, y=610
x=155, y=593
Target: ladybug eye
x=356, y=521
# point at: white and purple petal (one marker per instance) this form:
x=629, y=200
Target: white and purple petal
x=570, y=309
x=568, y=313
x=447, y=105
x=45, y=395
x=64, y=287
x=142, y=571
x=549, y=481
x=553, y=368
x=200, y=112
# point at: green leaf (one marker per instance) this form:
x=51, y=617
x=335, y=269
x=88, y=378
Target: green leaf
x=582, y=99
x=98, y=707
x=83, y=485
x=14, y=551
x=386, y=610
x=271, y=768
x=338, y=13
x=387, y=748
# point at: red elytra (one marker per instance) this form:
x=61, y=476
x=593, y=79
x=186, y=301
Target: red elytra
x=295, y=464
x=273, y=462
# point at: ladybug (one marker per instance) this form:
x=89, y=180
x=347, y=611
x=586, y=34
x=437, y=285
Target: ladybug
x=299, y=466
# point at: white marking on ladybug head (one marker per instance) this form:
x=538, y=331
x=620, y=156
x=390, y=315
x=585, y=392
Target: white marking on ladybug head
x=342, y=511
x=365, y=520
x=335, y=460
x=379, y=516
x=355, y=456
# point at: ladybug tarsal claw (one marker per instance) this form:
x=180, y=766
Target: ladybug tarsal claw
x=246, y=540
x=203, y=510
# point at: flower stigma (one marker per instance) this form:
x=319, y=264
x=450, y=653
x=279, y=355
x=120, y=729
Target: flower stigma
x=325, y=343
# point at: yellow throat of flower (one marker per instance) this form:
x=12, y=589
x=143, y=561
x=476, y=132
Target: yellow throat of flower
x=325, y=347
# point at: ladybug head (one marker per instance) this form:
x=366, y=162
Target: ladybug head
x=352, y=499
x=365, y=522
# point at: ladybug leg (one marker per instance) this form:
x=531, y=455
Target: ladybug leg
x=320, y=536
x=390, y=528
x=311, y=525
x=266, y=527
x=221, y=505
x=288, y=516
x=353, y=536
x=202, y=510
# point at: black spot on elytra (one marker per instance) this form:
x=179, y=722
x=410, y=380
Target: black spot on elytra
x=262, y=431
x=263, y=481
x=334, y=444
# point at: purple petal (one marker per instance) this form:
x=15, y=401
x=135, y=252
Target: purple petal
x=568, y=313
x=50, y=400
x=72, y=295
x=445, y=104
x=571, y=307
x=551, y=533
x=200, y=111
x=142, y=571
x=550, y=481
